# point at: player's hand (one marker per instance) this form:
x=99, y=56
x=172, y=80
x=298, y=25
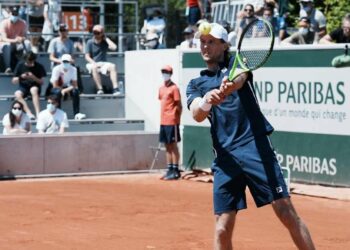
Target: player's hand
x=227, y=87
x=214, y=97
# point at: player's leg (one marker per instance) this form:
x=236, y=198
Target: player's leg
x=224, y=224
x=286, y=212
x=19, y=95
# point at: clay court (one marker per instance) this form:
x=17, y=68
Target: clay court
x=131, y=212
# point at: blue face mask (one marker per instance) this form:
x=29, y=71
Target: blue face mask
x=14, y=19
x=66, y=65
x=307, y=9
x=50, y=107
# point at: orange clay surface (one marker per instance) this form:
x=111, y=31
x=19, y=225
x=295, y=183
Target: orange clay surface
x=134, y=212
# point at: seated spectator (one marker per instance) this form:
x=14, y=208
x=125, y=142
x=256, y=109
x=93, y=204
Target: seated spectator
x=303, y=36
x=64, y=82
x=155, y=24
x=317, y=18
x=96, y=56
x=339, y=35
x=63, y=45
x=52, y=119
x=13, y=34
x=29, y=74
x=248, y=17
x=16, y=121
x=189, y=41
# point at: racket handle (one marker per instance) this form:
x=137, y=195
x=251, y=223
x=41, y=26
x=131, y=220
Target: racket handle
x=234, y=74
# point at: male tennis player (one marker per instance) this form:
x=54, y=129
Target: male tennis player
x=244, y=155
x=169, y=134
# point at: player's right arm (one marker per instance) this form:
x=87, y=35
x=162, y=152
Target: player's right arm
x=201, y=106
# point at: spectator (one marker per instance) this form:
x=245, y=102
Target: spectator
x=96, y=56
x=189, y=41
x=64, y=82
x=194, y=11
x=152, y=41
x=52, y=119
x=231, y=34
x=339, y=35
x=155, y=24
x=317, y=18
x=171, y=108
x=303, y=36
x=13, y=31
x=30, y=77
x=16, y=121
x=35, y=11
x=248, y=17
x=52, y=16
x=278, y=26
x=258, y=6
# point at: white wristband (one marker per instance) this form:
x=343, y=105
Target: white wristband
x=203, y=105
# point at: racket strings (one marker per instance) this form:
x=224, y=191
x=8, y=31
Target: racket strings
x=256, y=45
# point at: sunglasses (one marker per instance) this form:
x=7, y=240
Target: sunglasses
x=50, y=102
x=17, y=108
x=63, y=30
x=97, y=33
x=248, y=10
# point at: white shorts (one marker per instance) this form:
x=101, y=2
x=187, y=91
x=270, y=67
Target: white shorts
x=102, y=67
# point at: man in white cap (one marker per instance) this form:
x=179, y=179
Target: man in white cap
x=243, y=152
x=64, y=81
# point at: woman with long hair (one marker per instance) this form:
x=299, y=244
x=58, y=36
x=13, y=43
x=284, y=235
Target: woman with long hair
x=16, y=121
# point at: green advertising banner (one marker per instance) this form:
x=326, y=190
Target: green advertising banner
x=307, y=102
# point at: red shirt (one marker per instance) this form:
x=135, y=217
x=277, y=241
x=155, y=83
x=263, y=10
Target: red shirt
x=169, y=96
x=13, y=30
x=192, y=3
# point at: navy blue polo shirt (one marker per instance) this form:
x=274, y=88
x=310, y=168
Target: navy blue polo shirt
x=235, y=121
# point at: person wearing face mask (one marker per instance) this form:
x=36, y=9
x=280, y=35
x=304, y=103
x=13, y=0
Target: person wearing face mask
x=29, y=75
x=304, y=35
x=52, y=119
x=171, y=109
x=13, y=33
x=64, y=82
x=317, y=18
x=16, y=121
x=189, y=41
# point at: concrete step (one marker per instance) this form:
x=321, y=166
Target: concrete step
x=96, y=125
x=94, y=106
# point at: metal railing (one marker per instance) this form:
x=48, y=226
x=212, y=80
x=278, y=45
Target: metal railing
x=227, y=10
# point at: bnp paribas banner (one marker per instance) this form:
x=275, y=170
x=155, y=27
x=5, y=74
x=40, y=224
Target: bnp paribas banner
x=308, y=102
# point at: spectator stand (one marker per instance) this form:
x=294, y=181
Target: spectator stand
x=99, y=117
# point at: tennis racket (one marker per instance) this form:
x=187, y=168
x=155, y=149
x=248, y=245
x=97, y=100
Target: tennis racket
x=254, y=47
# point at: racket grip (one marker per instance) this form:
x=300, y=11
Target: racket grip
x=236, y=73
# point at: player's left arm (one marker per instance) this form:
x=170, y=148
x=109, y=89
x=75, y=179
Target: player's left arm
x=227, y=87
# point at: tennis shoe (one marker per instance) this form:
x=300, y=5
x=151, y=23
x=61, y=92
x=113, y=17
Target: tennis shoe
x=173, y=175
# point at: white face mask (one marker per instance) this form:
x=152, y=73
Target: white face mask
x=16, y=112
x=13, y=19
x=50, y=107
x=303, y=31
x=166, y=77
x=66, y=65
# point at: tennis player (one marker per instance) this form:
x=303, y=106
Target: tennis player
x=169, y=134
x=243, y=152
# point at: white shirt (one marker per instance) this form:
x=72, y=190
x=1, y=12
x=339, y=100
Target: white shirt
x=317, y=18
x=51, y=123
x=22, y=124
x=67, y=76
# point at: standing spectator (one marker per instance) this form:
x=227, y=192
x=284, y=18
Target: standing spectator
x=96, y=56
x=52, y=16
x=240, y=133
x=35, y=12
x=317, y=18
x=303, y=36
x=30, y=77
x=171, y=108
x=258, y=6
x=52, y=119
x=279, y=27
x=64, y=81
x=16, y=121
x=189, y=41
x=194, y=11
x=248, y=17
x=13, y=32
x=340, y=35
